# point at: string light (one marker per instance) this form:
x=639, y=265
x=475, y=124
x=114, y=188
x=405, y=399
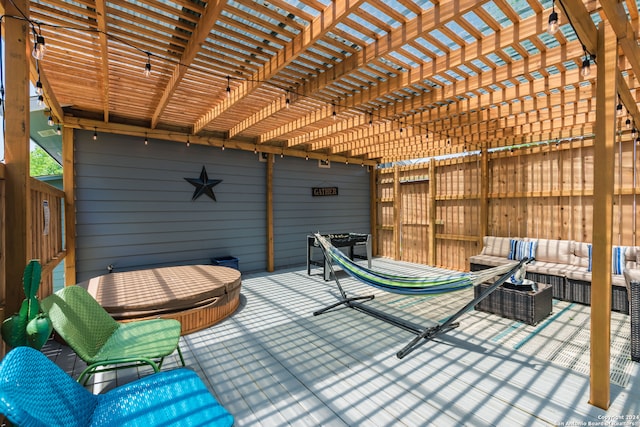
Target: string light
x=628, y=123
x=50, y=121
x=95, y=133
x=287, y=101
x=585, y=71
x=370, y=119
x=188, y=141
x=39, y=90
x=58, y=130
x=146, y=139
x=634, y=132
x=40, y=100
x=39, y=47
x=223, y=146
x=553, y=21
x=255, y=149
x=619, y=111
x=228, y=86
x=147, y=66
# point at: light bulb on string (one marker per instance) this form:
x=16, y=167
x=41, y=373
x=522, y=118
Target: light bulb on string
x=147, y=66
x=188, y=141
x=223, y=146
x=585, y=71
x=39, y=89
x=553, y=21
x=50, y=121
x=146, y=139
x=619, y=110
x=58, y=130
x=287, y=101
x=95, y=133
x=228, y=86
x=40, y=100
x=634, y=132
x=39, y=47
x=627, y=123
x=370, y=119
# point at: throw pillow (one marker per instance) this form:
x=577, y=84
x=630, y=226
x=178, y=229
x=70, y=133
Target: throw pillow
x=520, y=249
x=618, y=260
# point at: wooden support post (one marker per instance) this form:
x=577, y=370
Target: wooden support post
x=484, y=193
x=16, y=151
x=373, y=209
x=68, y=185
x=603, y=171
x=270, y=251
x=397, y=199
x=432, y=213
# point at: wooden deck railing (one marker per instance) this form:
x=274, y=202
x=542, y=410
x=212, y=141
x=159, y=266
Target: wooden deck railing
x=47, y=230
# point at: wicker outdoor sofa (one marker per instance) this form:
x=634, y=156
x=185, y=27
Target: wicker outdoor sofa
x=566, y=266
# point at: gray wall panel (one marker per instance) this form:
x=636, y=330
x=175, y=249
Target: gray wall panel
x=297, y=213
x=134, y=208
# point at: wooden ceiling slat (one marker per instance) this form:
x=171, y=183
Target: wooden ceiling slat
x=471, y=69
x=329, y=18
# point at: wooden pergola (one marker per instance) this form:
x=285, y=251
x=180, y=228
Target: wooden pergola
x=345, y=80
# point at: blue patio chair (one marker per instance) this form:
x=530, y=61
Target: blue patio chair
x=34, y=391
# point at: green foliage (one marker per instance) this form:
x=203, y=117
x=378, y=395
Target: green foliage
x=42, y=164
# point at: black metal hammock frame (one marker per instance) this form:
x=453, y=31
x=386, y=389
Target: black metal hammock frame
x=412, y=286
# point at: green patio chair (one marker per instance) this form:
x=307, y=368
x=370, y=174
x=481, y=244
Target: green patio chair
x=101, y=342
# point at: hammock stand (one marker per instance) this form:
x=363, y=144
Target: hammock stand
x=423, y=334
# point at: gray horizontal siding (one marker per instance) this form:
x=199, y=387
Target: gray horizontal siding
x=134, y=208
x=297, y=213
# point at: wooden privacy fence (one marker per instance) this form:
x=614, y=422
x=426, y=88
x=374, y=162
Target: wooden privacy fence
x=437, y=212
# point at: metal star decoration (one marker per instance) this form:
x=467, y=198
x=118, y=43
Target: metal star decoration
x=203, y=185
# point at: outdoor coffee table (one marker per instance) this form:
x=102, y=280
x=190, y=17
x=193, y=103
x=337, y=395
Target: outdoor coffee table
x=517, y=302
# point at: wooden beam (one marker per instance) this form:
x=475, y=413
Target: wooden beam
x=117, y=128
x=16, y=151
x=603, y=178
x=205, y=24
x=68, y=186
x=586, y=31
x=321, y=25
x=101, y=17
x=484, y=192
x=397, y=220
x=431, y=244
x=626, y=35
x=439, y=65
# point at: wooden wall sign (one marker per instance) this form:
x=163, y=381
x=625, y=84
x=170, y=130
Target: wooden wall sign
x=324, y=191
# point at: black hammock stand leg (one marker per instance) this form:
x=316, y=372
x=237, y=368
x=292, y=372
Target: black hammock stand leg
x=423, y=334
x=450, y=323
